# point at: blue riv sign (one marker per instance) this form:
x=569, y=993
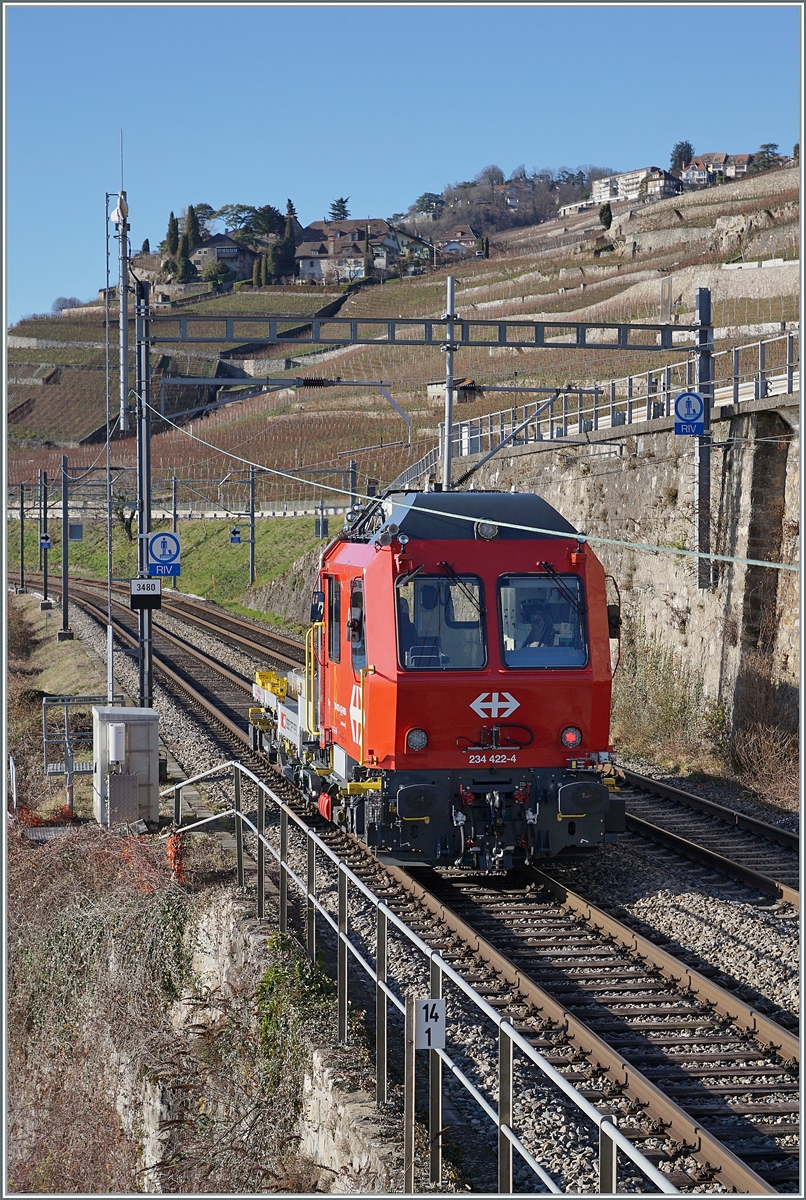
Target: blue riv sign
x=163, y=554
x=689, y=411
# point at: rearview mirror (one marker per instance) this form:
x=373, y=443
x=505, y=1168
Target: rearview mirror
x=317, y=606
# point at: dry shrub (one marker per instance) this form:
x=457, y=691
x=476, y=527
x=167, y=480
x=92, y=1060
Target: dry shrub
x=102, y=1008
x=661, y=714
x=660, y=711
x=20, y=633
x=766, y=761
x=96, y=953
x=235, y=1081
x=763, y=748
x=65, y=1135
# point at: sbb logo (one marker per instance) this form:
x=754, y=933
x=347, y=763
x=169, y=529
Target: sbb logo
x=495, y=704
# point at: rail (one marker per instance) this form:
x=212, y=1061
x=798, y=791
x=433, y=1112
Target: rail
x=611, y=1139
x=631, y=399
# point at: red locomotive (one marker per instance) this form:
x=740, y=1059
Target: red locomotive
x=455, y=704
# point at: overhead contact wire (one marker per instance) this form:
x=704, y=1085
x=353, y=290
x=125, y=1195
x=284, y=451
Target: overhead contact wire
x=594, y=538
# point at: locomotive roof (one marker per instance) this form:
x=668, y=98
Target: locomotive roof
x=418, y=514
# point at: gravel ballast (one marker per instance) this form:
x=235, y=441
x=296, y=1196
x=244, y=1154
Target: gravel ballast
x=750, y=945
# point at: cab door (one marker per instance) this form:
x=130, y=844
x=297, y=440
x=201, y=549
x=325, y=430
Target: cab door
x=335, y=711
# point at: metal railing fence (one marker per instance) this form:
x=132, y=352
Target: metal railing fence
x=759, y=370
x=429, y=462
x=611, y=1139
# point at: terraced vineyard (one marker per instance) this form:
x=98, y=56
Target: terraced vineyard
x=565, y=266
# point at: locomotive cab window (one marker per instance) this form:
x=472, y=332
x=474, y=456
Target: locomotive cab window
x=542, y=621
x=439, y=623
x=356, y=632
x=333, y=619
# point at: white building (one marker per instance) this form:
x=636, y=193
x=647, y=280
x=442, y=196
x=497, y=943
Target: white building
x=627, y=185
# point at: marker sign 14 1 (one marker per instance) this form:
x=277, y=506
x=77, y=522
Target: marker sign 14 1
x=429, y=1024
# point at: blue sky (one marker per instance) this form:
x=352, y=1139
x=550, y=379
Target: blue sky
x=254, y=104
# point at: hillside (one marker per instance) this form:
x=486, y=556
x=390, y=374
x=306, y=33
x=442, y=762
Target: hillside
x=561, y=267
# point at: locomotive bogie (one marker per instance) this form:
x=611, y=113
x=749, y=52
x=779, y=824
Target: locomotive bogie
x=455, y=703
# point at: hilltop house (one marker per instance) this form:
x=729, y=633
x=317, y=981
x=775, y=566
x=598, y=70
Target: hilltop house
x=222, y=248
x=514, y=193
x=736, y=165
x=633, y=185
x=707, y=168
x=695, y=172
x=380, y=232
x=413, y=247
x=460, y=240
x=658, y=184
x=334, y=251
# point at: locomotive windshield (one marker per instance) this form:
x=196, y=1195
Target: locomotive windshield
x=439, y=623
x=542, y=621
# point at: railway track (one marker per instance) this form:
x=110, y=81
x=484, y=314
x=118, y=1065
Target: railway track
x=761, y=855
x=699, y=1070
x=242, y=633
x=692, y=1071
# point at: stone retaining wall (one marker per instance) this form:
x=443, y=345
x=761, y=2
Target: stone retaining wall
x=639, y=488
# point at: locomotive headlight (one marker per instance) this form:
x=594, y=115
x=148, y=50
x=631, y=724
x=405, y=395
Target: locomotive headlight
x=571, y=737
x=416, y=739
x=403, y=538
x=486, y=530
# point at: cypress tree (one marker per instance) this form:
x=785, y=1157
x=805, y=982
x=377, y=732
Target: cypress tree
x=172, y=238
x=192, y=229
x=274, y=261
x=265, y=275
x=146, y=247
x=185, y=268
x=283, y=253
x=369, y=261
x=256, y=273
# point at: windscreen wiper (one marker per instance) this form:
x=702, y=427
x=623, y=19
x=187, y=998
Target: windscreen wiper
x=454, y=578
x=402, y=579
x=580, y=607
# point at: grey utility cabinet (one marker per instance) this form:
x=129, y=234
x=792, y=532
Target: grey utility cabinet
x=126, y=789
